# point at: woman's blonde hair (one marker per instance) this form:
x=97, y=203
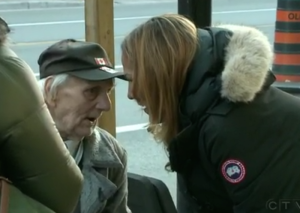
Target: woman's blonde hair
x=159, y=52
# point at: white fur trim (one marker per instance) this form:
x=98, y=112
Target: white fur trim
x=249, y=57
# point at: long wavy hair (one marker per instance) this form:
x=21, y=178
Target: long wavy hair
x=160, y=52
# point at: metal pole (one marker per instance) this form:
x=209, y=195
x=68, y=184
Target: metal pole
x=198, y=11
x=99, y=27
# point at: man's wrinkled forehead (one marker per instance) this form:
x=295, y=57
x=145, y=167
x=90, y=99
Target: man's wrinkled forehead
x=103, y=83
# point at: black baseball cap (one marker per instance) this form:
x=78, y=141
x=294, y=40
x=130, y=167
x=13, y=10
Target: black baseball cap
x=85, y=60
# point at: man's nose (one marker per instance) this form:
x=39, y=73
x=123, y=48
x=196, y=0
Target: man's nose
x=103, y=103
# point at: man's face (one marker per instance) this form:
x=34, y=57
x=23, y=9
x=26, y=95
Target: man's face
x=78, y=106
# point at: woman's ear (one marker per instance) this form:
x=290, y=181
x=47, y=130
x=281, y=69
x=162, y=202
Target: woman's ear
x=49, y=96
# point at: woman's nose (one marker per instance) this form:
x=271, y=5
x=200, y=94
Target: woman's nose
x=130, y=96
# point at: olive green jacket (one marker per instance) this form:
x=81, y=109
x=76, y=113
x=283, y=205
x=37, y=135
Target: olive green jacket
x=33, y=156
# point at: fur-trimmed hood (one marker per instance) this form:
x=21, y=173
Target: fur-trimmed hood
x=248, y=59
x=232, y=62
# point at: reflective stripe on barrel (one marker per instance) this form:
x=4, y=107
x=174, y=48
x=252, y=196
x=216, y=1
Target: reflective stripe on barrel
x=286, y=65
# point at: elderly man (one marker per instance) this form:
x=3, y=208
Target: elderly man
x=76, y=78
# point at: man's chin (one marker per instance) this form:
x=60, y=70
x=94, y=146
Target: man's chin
x=87, y=132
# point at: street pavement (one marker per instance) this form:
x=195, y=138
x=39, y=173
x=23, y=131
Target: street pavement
x=38, y=4
x=35, y=30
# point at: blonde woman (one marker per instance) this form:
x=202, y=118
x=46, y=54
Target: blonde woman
x=230, y=135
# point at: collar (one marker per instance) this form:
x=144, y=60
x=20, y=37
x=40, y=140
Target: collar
x=99, y=156
x=99, y=151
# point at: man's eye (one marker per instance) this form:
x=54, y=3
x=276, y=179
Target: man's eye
x=92, y=92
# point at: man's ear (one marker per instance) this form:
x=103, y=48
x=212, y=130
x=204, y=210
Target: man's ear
x=49, y=96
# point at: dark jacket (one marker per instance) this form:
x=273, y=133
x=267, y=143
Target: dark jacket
x=238, y=149
x=33, y=156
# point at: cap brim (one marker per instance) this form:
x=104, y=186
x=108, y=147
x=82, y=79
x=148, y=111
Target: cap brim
x=99, y=74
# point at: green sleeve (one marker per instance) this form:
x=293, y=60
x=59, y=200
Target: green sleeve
x=33, y=156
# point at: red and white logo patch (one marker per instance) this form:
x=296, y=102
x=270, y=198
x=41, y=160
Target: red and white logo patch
x=100, y=61
x=233, y=171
